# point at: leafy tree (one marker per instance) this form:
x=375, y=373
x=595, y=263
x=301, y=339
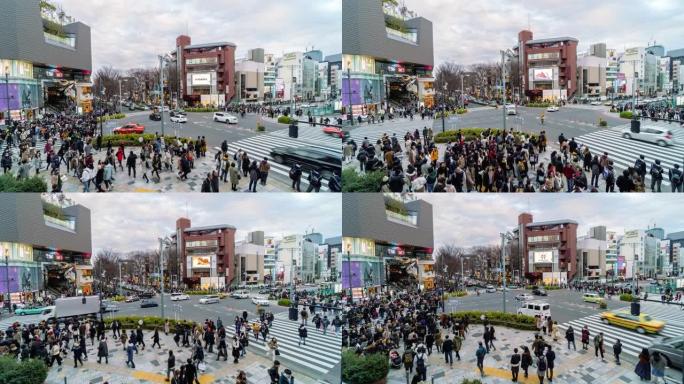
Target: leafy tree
x=31, y=371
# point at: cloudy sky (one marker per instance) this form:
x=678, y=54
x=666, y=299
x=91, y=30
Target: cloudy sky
x=474, y=31
x=131, y=33
x=469, y=220
x=129, y=222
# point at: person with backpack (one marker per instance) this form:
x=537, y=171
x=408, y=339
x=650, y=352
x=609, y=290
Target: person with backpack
x=656, y=176
x=570, y=337
x=480, y=355
x=598, y=345
x=335, y=182
x=676, y=178
x=541, y=368
x=296, y=176
x=408, y=360
x=314, y=181
x=447, y=348
x=609, y=176
x=515, y=364
x=421, y=364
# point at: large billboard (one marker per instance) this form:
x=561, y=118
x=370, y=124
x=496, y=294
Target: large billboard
x=21, y=96
x=543, y=74
x=21, y=279
x=542, y=256
x=201, y=79
x=362, y=91
x=353, y=268
x=201, y=261
x=621, y=266
x=363, y=274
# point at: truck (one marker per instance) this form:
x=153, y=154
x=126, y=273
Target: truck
x=78, y=306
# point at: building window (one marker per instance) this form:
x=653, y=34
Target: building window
x=542, y=56
x=201, y=243
x=356, y=246
x=201, y=60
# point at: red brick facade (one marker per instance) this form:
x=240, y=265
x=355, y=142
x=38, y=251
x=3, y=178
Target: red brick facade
x=566, y=244
x=225, y=249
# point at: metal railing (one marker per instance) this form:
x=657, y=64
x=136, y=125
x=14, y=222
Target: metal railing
x=62, y=41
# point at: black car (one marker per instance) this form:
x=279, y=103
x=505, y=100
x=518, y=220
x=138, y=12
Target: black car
x=539, y=292
x=155, y=116
x=146, y=295
x=148, y=304
x=310, y=158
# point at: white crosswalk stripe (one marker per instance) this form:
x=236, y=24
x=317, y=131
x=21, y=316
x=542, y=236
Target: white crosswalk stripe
x=313, y=135
x=624, y=152
x=258, y=147
x=320, y=354
x=375, y=131
x=632, y=342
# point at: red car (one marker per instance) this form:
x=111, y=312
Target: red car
x=129, y=128
x=335, y=131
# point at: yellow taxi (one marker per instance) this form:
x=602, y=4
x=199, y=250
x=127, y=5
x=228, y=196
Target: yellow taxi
x=591, y=297
x=221, y=295
x=642, y=323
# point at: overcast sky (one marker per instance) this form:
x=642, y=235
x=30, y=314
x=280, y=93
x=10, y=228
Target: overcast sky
x=474, y=31
x=470, y=220
x=129, y=222
x=131, y=33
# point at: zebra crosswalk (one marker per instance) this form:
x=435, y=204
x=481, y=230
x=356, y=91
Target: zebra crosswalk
x=313, y=135
x=260, y=146
x=632, y=342
x=624, y=152
x=320, y=354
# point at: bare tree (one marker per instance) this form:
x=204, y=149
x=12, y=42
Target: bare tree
x=106, y=266
x=107, y=80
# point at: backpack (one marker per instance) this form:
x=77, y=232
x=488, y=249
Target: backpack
x=408, y=357
x=541, y=366
x=420, y=364
x=676, y=176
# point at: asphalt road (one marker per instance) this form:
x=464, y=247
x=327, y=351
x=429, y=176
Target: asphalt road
x=566, y=305
x=571, y=120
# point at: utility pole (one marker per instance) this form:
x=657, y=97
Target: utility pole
x=503, y=92
x=161, y=92
x=444, y=105
x=8, y=119
x=462, y=95
x=120, y=102
x=9, y=300
x=503, y=268
x=161, y=273
x=349, y=92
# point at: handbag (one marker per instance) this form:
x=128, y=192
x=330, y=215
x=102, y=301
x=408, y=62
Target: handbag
x=202, y=366
x=277, y=352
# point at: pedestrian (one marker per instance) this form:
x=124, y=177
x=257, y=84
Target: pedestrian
x=526, y=360
x=447, y=348
x=643, y=367
x=296, y=177
x=191, y=373
x=408, y=360
x=617, y=350
x=253, y=176
x=286, y=377
x=273, y=372
x=480, y=355
x=515, y=364
x=170, y=364
x=273, y=348
x=570, y=337
x=598, y=345
x=139, y=339
x=264, y=167
x=236, y=349
x=585, y=337
x=102, y=351
x=55, y=354
x=550, y=358
x=541, y=368
x=658, y=364
x=155, y=339
x=76, y=349
x=129, y=353
x=241, y=378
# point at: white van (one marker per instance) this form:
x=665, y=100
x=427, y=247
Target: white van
x=511, y=109
x=534, y=308
x=209, y=299
x=224, y=117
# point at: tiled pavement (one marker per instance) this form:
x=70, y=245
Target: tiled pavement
x=572, y=367
x=151, y=366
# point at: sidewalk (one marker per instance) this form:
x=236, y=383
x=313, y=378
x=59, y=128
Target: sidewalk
x=150, y=366
x=571, y=367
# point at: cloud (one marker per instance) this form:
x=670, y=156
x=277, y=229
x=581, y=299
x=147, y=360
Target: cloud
x=470, y=32
x=131, y=33
x=470, y=220
x=129, y=222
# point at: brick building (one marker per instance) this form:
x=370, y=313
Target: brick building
x=205, y=252
x=548, y=67
x=547, y=250
x=206, y=71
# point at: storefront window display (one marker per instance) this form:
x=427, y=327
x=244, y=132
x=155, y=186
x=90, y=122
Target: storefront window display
x=358, y=247
x=358, y=64
x=16, y=251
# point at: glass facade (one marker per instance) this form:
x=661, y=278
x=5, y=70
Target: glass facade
x=358, y=64
x=360, y=247
x=16, y=68
x=16, y=251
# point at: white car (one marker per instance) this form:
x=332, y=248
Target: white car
x=179, y=297
x=490, y=289
x=223, y=117
x=552, y=108
x=179, y=119
x=511, y=109
x=524, y=297
x=240, y=295
x=653, y=134
x=260, y=301
x=596, y=102
x=209, y=299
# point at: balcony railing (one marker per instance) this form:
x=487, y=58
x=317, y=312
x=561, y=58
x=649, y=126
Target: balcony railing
x=61, y=41
x=407, y=37
x=66, y=224
x=402, y=219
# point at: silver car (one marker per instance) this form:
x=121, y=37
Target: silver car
x=652, y=134
x=670, y=347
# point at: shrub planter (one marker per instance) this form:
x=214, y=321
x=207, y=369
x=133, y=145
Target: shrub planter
x=510, y=320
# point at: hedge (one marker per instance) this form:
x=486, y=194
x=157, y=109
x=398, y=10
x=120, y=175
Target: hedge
x=286, y=120
x=284, y=302
x=511, y=320
x=626, y=114
x=627, y=297
x=469, y=134
x=118, y=298
x=538, y=105
x=116, y=116
x=459, y=111
x=364, y=369
x=203, y=109
x=455, y=294
x=133, y=140
x=149, y=322
x=352, y=181
x=602, y=123
x=31, y=371
x=9, y=183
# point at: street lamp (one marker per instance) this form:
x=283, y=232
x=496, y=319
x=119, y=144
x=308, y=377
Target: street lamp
x=9, y=301
x=349, y=275
x=162, y=59
x=163, y=243
x=504, y=54
x=444, y=87
x=504, y=236
x=8, y=119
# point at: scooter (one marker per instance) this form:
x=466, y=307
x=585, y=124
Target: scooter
x=395, y=359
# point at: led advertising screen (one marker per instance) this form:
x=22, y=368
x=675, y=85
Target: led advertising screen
x=20, y=96
x=201, y=261
x=20, y=279
x=363, y=91
x=353, y=267
x=621, y=266
x=201, y=79
x=543, y=74
x=543, y=256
